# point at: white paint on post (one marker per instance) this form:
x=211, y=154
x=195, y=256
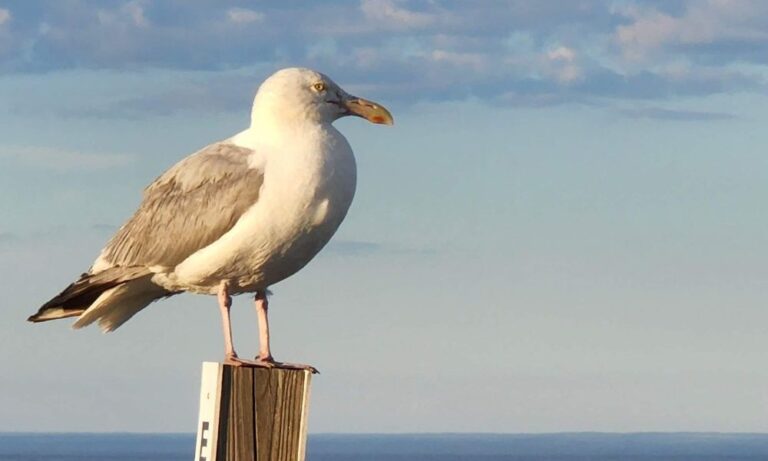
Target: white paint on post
x=304, y=417
x=208, y=422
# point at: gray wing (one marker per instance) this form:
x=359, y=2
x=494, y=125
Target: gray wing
x=190, y=206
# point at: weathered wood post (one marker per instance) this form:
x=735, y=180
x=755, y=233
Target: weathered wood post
x=252, y=414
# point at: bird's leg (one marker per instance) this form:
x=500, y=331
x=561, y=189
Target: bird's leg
x=225, y=302
x=262, y=307
x=265, y=358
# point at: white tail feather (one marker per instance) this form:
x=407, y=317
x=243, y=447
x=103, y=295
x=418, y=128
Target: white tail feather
x=116, y=305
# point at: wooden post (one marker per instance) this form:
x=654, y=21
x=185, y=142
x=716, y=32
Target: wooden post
x=252, y=414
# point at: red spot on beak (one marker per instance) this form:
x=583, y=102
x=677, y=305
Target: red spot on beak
x=368, y=110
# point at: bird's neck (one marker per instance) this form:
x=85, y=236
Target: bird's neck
x=276, y=133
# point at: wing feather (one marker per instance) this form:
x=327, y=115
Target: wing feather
x=187, y=208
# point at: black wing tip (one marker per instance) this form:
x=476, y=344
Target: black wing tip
x=40, y=315
x=37, y=316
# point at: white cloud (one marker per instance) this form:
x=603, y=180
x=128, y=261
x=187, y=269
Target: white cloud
x=135, y=10
x=63, y=160
x=561, y=64
x=244, y=16
x=131, y=13
x=5, y=16
x=387, y=12
x=474, y=61
x=569, y=74
x=703, y=22
x=561, y=53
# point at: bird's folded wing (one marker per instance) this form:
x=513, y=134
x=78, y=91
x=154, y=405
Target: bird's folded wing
x=190, y=206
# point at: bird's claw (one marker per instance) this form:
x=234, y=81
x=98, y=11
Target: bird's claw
x=269, y=362
x=272, y=363
x=298, y=366
x=234, y=360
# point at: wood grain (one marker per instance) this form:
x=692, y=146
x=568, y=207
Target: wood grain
x=262, y=414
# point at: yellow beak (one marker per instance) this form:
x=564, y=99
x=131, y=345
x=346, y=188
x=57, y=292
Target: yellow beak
x=369, y=110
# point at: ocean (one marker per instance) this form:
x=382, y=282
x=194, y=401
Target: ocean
x=415, y=447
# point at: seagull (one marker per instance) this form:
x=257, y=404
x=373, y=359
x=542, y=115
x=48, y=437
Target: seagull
x=235, y=217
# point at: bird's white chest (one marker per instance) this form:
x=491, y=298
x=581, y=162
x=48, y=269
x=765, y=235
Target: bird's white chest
x=306, y=193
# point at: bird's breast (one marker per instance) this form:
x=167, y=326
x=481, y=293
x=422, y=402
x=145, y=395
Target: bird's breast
x=304, y=198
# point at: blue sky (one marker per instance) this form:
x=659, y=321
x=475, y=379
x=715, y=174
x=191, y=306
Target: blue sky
x=565, y=230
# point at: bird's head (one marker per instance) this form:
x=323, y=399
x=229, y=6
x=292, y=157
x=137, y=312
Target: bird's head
x=297, y=94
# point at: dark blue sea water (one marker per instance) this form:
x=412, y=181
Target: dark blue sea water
x=417, y=447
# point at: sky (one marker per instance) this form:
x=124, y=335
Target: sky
x=566, y=229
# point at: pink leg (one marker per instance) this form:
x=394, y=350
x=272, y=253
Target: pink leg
x=262, y=308
x=265, y=358
x=230, y=356
x=225, y=302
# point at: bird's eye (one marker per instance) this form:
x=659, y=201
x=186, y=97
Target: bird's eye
x=319, y=86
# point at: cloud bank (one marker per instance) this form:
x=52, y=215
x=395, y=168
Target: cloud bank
x=507, y=52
